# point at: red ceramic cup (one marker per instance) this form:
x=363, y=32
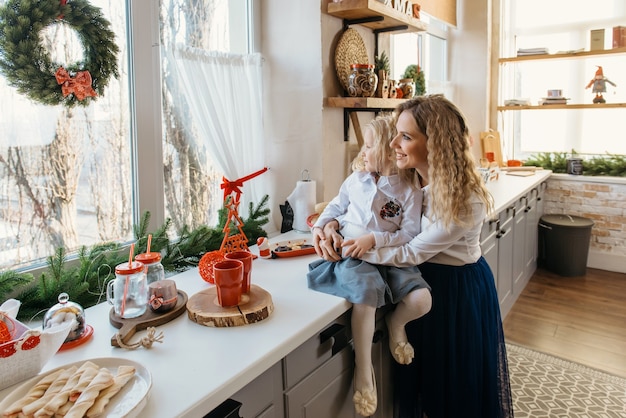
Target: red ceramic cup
x=246, y=258
x=228, y=278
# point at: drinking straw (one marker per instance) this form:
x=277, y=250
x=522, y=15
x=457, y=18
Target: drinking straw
x=149, y=241
x=126, y=281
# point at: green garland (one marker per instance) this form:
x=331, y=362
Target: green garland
x=85, y=281
x=28, y=67
x=613, y=165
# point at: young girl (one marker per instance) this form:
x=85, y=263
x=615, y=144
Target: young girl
x=378, y=206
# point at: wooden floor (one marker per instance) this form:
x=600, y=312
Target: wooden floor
x=581, y=319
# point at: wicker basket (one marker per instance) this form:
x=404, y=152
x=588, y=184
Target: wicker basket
x=350, y=50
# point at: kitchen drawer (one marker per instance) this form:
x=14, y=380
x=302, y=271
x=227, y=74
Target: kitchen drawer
x=327, y=392
x=263, y=397
x=489, y=228
x=317, y=350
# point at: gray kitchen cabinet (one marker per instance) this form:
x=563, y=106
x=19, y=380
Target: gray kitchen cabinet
x=519, y=247
x=326, y=391
x=504, y=280
x=315, y=379
x=263, y=397
x=530, y=241
x=319, y=373
x=489, y=245
x=509, y=245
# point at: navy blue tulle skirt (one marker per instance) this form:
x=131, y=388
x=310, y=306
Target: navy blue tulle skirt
x=460, y=367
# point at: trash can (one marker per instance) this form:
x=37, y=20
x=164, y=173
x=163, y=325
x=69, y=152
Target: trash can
x=564, y=244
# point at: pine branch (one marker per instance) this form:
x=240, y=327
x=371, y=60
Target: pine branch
x=11, y=280
x=85, y=283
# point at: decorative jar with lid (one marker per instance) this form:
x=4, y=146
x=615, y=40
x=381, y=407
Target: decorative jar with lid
x=407, y=85
x=66, y=311
x=362, y=81
x=154, y=268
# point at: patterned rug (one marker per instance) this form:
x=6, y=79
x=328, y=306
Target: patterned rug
x=544, y=386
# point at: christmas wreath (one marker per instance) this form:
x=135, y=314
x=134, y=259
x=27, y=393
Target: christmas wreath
x=28, y=67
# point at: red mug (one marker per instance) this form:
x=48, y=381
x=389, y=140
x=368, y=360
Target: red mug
x=228, y=278
x=246, y=258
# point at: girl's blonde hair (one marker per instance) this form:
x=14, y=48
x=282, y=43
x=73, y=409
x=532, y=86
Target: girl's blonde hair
x=452, y=174
x=383, y=128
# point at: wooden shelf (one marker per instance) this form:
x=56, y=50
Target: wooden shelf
x=564, y=106
x=362, y=102
x=564, y=56
x=366, y=9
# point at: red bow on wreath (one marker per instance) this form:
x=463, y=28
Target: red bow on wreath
x=79, y=86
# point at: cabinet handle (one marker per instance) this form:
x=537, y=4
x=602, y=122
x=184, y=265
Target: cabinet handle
x=338, y=334
x=227, y=409
x=501, y=233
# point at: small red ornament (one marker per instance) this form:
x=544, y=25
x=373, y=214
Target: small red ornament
x=7, y=350
x=31, y=342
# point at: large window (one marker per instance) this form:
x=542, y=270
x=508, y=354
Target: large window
x=560, y=26
x=78, y=176
x=426, y=49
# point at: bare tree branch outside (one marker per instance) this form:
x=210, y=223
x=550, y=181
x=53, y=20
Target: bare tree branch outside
x=65, y=173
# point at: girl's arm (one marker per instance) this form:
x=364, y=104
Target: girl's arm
x=409, y=224
x=433, y=239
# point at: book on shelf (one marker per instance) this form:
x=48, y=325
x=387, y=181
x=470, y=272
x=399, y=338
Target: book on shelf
x=619, y=36
x=553, y=100
x=517, y=102
x=531, y=51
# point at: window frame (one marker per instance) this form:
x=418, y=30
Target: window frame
x=508, y=84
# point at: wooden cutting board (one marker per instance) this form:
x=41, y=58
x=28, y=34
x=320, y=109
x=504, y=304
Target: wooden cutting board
x=128, y=327
x=490, y=141
x=204, y=309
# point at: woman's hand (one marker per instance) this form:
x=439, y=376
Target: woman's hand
x=327, y=241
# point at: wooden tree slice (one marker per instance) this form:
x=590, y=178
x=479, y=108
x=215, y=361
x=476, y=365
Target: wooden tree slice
x=204, y=309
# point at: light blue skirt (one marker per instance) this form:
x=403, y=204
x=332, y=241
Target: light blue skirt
x=361, y=282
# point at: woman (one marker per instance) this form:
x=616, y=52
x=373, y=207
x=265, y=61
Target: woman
x=460, y=365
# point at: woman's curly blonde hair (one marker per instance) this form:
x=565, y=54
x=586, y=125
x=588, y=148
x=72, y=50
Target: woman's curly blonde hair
x=384, y=130
x=452, y=175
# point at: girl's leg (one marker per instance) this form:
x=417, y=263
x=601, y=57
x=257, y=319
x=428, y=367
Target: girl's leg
x=363, y=326
x=412, y=306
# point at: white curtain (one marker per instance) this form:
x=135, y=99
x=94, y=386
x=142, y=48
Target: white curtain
x=224, y=92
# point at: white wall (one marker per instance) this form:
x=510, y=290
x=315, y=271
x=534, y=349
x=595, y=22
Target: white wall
x=293, y=94
x=469, y=61
x=298, y=43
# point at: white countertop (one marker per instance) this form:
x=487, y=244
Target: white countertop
x=508, y=188
x=196, y=368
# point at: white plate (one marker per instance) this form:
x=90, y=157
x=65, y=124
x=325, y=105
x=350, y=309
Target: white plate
x=127, y=403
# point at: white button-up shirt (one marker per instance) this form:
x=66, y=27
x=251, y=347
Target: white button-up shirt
x=388, y=208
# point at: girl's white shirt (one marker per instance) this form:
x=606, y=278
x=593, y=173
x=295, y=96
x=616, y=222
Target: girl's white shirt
x=455, y=246
x=359, y=204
